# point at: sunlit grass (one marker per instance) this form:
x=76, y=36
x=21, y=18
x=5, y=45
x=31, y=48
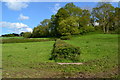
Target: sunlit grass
x=99, y=53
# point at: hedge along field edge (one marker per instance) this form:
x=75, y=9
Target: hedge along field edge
x=24, y=40
x=64, y=52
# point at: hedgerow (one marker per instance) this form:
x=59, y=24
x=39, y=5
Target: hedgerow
x=13, y=40
x=63, y=51
x=65, y=37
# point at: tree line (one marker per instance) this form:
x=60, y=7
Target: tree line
x=11, y=35
x=72, y=20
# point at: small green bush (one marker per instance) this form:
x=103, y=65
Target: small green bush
x=27, y=34
x=63, y=52
x=65, y=37
x=117, y=31
x=87, y=29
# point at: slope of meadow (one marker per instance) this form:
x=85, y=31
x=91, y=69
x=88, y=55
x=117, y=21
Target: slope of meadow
x=99, y=57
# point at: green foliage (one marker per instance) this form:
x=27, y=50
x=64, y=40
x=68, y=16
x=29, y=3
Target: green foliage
x=86, y=29
x=10, y=35
x=72, y=20
x=21, y=34
x=40, y=31
x=27, y=34
x=69, y=26
x=24, y=40
x=116, y=20
x=104, y=13
x=45, y=22
x=98, y=28
x=116, y=31
x=62, y=14
x=65, y=37
x=64, y=51
x=69, y=20
x=73, y=10
x=56, y=19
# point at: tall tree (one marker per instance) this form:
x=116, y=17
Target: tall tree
x=102, y=14
x=42, y=30
x=69, y=26
x=117, y=18
x=60, y=20
x=73, y=10
x=56, y=19
x=45, y=22
x=83, y=15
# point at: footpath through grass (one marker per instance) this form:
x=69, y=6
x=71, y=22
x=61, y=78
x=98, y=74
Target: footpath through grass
x=99, y=55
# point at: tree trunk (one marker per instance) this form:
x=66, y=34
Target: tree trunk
x=107, y=29
x=104, y=29
x=107, y=26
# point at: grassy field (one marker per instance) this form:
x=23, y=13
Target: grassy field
x=99, y=45
x=10, y=37
x=31, y=60
x=23, y=40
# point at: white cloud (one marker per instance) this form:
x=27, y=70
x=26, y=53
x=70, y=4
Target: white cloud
x=15, y=27
x=56, y=8
x=22, y=17
x=16, y=5
x=29, y=30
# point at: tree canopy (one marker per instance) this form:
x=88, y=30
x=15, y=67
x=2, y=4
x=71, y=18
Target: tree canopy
x=72, y=20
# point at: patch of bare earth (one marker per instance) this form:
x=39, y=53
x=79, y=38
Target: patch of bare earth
x=105, y=74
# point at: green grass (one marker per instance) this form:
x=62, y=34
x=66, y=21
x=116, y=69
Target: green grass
x=21, y=37
x=99, y=55
x=96, y=46
x=11, y=37
x=24, y=40
x=25, y=53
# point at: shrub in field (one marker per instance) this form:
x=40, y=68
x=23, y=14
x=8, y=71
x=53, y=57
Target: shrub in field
x=63, y=51
x=117, y=31
x=86, y=29
x=27, y=34
x=65, y=37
